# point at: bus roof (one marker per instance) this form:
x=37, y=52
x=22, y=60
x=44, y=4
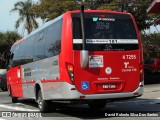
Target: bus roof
x=18, y=41
x=90, y=11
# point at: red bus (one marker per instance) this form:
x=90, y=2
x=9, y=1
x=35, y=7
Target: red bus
x=50, y=64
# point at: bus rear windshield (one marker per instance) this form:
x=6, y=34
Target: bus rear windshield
x=105, y=32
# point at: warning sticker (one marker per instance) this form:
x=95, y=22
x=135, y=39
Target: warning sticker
x=95, y=61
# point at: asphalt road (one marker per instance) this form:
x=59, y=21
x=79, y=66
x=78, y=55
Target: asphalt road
x=147, y=106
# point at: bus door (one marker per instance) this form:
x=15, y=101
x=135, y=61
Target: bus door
x=113, y=61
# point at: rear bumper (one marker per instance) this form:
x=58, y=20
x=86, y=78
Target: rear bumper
x=65, y=91
x=136, y=93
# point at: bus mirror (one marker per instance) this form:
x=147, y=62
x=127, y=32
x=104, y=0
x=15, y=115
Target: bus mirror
x=84, y=58
x=11, y=56
x=5, y=55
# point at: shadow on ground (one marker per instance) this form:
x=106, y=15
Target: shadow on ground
x=137, y=105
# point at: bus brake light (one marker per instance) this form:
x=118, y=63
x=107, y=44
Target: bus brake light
x=141, y=73
x=70, y=70
x=70, y=67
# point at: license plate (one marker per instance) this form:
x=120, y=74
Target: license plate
x=110, y=86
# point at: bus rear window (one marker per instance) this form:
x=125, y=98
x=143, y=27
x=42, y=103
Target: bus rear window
x=105, y=31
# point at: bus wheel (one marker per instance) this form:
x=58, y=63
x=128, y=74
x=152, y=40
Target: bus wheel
x=44, y=105
x=97, y=104
x=14, y=99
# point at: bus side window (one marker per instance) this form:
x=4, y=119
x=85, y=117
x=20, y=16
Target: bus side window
x=53, y=39
x=30, y=49
x=21, y=54
x=15, y=51
x=39, y=46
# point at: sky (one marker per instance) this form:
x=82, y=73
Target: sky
x=8, y=19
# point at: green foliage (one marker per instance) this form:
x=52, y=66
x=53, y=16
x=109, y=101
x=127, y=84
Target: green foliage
x=49, y=9
x=136, y=7
x=151, y=45
x=26, y=16
x=7, y=39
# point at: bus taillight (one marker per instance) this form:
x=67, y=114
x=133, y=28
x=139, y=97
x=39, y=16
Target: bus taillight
x=70, y=70
x=141, y=73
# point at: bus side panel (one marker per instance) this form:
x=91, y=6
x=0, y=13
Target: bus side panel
x=14, y=81
x=45, y=73
x=66, y=55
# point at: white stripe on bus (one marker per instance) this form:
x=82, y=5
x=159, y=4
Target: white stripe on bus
x=107, y=41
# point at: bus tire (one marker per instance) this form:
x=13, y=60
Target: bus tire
x=44, y=105
x=97, y=104
x=14, y=99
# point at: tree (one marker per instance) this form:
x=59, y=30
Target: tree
x=26, y=16
x=151, y=45
x=136, y=7
x=7, y=39
x=49, y=9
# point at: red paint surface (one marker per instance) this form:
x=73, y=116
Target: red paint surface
x=15, y=82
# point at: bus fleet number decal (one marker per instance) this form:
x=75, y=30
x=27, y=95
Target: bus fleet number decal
x=128, y=67
x=129, y=57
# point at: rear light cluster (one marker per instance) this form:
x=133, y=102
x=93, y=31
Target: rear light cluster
x=0, y=78
x=70, y=70
x=141, y=73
